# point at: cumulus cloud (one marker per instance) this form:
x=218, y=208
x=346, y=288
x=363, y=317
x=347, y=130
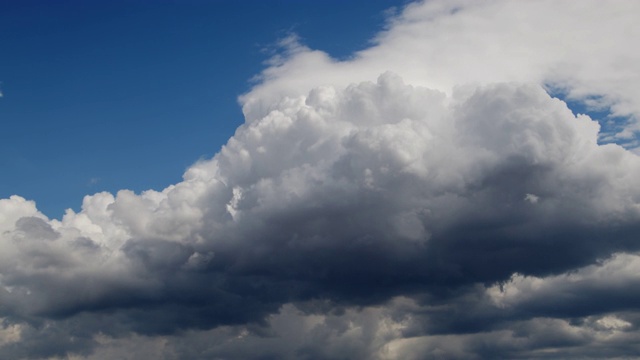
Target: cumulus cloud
x=580, y=50
x=426, y=198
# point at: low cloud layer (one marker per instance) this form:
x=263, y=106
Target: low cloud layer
x=413, y=207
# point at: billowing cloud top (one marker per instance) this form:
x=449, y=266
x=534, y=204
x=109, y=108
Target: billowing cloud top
x=427, y=198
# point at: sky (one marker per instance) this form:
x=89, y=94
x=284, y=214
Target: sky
x=110, y=95
x=320, y=180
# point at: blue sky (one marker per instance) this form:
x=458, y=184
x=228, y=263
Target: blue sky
x=109, y=95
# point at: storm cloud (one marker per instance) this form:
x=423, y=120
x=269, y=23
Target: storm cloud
x=428, y=198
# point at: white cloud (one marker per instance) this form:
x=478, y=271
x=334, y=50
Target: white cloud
x=608, y=281
x=445, y=44
x=532, y=198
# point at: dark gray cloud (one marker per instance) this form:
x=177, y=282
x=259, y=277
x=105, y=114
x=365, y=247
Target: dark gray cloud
x=435, y=205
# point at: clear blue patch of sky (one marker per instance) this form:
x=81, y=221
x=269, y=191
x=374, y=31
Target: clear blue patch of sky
x=104, y=95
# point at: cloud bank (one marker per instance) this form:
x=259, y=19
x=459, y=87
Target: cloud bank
x=427, y=198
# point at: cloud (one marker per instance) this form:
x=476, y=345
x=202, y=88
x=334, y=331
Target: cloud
x=446, y=44
x=426, y=198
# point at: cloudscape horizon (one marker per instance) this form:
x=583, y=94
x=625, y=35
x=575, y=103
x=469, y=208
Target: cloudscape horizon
x=430, y=196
